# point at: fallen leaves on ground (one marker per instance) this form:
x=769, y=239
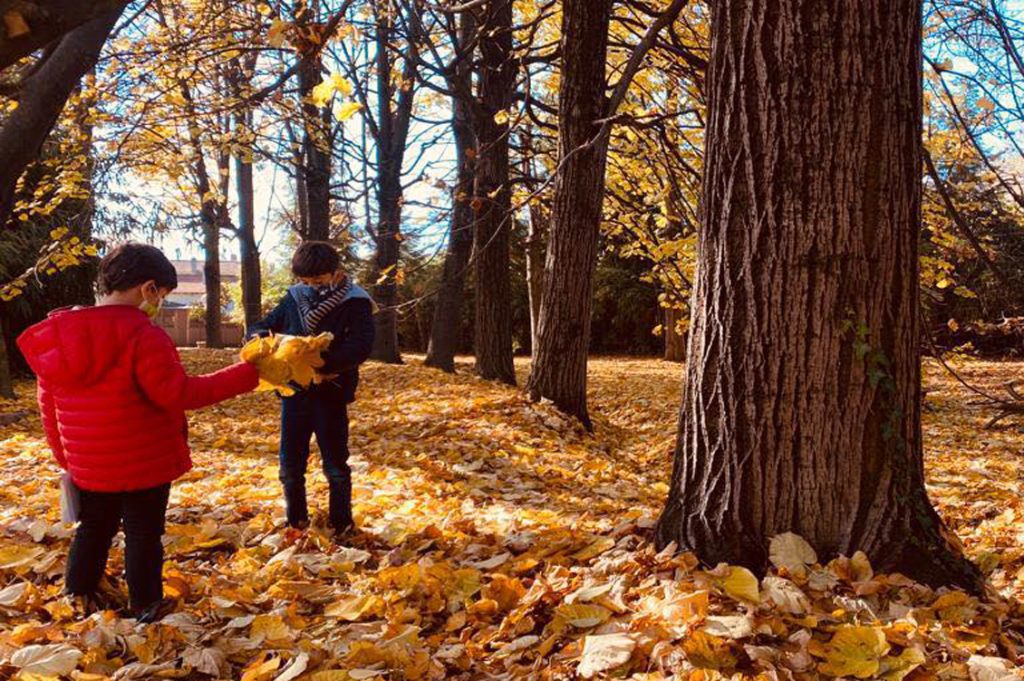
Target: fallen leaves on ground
x=500, y=541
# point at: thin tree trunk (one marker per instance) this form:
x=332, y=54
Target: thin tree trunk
x=801, y=408
x=6, y=382
x=248, y=249
x=560, y=360
x=675, y=342
x=42, y=99
x=446, y=330
x=394, y=115
x=315, y=169
x=389, y=197
x=493, y=197
x=536, y=239
x=212, y=279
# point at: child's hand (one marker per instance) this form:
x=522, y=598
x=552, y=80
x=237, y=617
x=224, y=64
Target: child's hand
x=258, y=348
x=285, y=361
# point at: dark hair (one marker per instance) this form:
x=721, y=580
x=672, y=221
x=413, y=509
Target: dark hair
x=313, y=258
x=132, y=264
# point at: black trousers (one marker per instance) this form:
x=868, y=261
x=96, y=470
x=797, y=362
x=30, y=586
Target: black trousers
x=320, y=412
x=101, y=514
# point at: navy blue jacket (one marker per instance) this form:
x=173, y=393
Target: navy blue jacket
x=352, y=325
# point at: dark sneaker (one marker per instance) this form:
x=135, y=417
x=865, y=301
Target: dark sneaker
x=345, y=534
x=156, y=611
x=83, y=605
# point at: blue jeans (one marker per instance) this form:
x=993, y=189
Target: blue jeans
x=321, y=412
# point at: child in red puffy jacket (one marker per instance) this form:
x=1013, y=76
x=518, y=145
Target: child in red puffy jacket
x=113, y=395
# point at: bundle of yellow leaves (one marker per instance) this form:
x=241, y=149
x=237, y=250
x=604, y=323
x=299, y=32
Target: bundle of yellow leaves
x=285, y=362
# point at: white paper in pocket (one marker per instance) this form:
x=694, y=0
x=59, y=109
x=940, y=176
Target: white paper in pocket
x=70, y=502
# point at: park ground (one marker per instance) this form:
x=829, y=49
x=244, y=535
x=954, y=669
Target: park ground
x=501, y=541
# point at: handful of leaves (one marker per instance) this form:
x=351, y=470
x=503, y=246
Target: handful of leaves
x=285, y=362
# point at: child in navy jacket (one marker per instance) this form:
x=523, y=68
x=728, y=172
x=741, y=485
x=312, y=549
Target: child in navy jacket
x=324, y=300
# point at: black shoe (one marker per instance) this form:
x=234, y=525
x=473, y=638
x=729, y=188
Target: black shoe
x=345, y=533
x=83, y=605
x=156, y=611
x=300, y=525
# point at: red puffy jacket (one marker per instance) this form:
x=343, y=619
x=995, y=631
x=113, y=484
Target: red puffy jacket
x=113, y=395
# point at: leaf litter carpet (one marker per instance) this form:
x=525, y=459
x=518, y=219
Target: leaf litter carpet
x=499, y=541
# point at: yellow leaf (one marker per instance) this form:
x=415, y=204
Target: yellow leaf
x=322, y=93
x=15, y=23
x=705, y=650
x=328, y=675
x=354, y=608
x=855, y=651
x=347, y=110
x=594, y=549
x=342, y=84
x=278, y=33
x=741, y=584
x=17, y=556
x=501, y=118
x=261, y=669
x=894, y=668
x=269, y=628
x=583, y=615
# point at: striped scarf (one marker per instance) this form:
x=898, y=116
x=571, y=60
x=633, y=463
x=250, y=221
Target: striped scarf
x=314, y=305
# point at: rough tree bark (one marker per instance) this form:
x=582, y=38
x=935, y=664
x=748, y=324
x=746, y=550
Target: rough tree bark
x=801, y=408
x=492, y=341
x=42, y=97
x=560, y=360
x=45, y=21
x=446, y=329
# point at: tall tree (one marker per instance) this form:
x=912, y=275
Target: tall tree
x=446, y=329
x=560, y=359
x=493, y=198
x=585, y=114
x=396, y=91
x=801, y=408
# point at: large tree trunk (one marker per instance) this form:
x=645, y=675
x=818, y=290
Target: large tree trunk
x=801, y=410
x=560, y=359
x=42, y=98
x=493, y=197
x=446, y=330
